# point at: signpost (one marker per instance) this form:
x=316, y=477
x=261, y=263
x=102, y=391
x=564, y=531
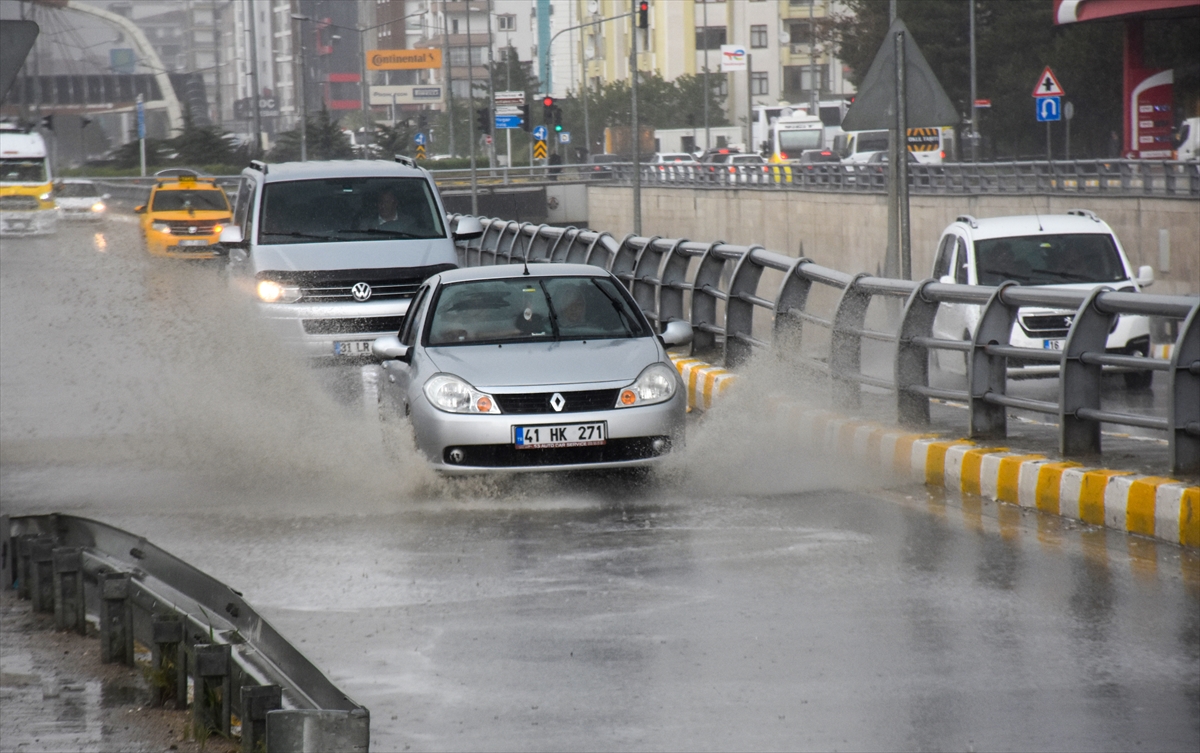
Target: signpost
x=419, y=140
x=141, y=123
x=539, y=144
x=508, y=107
x=1047, y=98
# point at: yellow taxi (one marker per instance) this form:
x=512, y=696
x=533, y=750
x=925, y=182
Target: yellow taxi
x=184, y=217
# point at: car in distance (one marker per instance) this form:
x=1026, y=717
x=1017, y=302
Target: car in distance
x=538, y=367
x=333, y=251
x=80, y=200
x=673, y=166
x=600, y=165
x=184, y=217
x=1073, y=251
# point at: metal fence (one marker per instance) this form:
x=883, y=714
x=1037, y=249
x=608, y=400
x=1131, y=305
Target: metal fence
x=197, y=628
x=719, y=288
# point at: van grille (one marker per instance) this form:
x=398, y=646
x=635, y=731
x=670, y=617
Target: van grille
x=1052, y=326
x=356, y=325
x=18, y=203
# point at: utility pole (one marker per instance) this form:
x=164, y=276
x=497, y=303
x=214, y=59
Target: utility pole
x=303, y=92
x=470, y=112
x=449, y=74
x=491, y=103
x=255, y=111
x=707, y=91
x=891, y=257
x=637, y=134
x=974, y=94
x=813, y=108
x=902, y=159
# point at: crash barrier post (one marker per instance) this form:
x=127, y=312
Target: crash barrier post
x=116, y=619
x=257, y=702
x=165, y=659
x=195, y=625
x=41, y=573
x=69, y=608
x=318, y=730
x=724, y=282
x=211, y=688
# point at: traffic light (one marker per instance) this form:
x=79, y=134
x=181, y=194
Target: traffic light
x=422, y=122
x=482, y=119
x=557, y=119
x=548, y=110
x=643, y=15
x=48, y=122
x=525, y=125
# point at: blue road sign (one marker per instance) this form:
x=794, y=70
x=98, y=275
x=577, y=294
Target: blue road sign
x=1048, y=109
x=419, y=139
x=540, y=133
x=564, y=137
x=508, y=121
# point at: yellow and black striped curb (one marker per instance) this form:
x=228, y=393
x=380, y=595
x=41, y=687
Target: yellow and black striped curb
x=1156, y=506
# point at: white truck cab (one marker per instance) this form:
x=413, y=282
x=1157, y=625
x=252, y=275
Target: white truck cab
x=27, y=205
x=333, y=251
x=1075, y=251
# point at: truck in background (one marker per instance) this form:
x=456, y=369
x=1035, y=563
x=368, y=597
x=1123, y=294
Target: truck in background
x=930, y=146
x=27, y=204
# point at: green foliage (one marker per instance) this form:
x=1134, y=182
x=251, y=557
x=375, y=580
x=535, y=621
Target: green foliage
x=128, y=156
x=325, y=141
x=200, y=144
x=1015, y=39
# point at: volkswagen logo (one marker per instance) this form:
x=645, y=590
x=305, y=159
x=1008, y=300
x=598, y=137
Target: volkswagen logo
x=361, y=291
x=557, y=402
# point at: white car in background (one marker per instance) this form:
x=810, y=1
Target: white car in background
x=80, y=200
x=1072, y=251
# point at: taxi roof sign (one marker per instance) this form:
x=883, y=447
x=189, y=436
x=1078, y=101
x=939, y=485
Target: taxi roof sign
x=1047, y=85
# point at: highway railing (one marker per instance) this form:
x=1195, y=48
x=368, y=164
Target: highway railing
x=198, y=630
x=721, y=290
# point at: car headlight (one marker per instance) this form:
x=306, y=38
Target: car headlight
x=270, y=291
x=98, y=206
x=656, y=384
x=453, y=395
x=162, y=227
x=47, y=196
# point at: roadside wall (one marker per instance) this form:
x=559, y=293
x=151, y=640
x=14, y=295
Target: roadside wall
x=848, y=231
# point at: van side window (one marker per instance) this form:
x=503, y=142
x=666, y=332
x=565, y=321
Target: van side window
x=945, y=255
x=408, y=333
x=960, y=271
x=241, y=205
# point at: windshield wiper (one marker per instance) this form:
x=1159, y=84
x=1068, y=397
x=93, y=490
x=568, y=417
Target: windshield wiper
x=293, y=234
x=378, y=231
x=550, y=307
x=626, y=322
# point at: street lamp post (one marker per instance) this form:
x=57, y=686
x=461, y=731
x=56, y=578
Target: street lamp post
x=303, y=92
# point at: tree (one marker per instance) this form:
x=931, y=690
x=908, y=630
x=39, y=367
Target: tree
x=201, y=145
x=325, y=141
x=1015, y=39
x=128, y=155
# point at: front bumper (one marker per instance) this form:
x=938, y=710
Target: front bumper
x=312, y=329
x=168, y=246
x=33, y=222
x=637, y=437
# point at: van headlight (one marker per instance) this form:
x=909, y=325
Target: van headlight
x=162, y=227
x=453, y=395
x=656, y=384
x=270, y=291
x=47, y=196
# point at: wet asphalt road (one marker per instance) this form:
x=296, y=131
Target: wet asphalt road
x=751, y=596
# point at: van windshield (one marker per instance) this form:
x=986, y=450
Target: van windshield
x=1048, y=259
x=794, y=142
x=203, y=200
x=357, y=209
x=872, y=141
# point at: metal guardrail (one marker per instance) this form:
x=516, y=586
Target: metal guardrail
x=1118, y=178
x=196, y=626
x=716, y=287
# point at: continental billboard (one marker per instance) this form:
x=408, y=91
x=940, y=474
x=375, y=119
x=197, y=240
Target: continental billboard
x=403, y=60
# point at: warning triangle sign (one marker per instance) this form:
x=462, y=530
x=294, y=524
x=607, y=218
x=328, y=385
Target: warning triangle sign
x=1047, y=85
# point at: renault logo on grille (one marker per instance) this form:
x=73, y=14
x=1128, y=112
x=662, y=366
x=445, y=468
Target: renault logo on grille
x=193, y=229
x=557, y=402
x=361, y=291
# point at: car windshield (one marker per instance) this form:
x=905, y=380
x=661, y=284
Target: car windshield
x=1048, y=259
x=17, y=170
x=76, y=190
x=358, y=209
x=794, y=142
x=532, y=309
x=199, y=200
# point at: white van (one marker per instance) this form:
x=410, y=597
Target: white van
x=1072, y=251
x=333, y=251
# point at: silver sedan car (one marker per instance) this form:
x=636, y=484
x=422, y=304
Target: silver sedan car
x=544, y=367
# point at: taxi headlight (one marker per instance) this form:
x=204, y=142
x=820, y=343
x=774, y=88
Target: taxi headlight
x=98, y=206
x=453, y=395
x=656, y=384
x=162, y=227
x=47, y=196
x=270, y=291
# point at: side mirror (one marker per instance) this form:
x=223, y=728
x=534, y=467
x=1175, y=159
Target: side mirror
x=678, y=332
x=1145, y=276
x=389, y=347
x=141, y=209
x=231, y=235
x=468, y=228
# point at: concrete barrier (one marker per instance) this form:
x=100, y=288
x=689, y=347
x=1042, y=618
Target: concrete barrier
x=1155, y=506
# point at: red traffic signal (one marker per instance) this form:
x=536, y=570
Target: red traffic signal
x=548, y=101
x=643, y=17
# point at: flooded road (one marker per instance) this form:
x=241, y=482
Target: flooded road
x=750, y=596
